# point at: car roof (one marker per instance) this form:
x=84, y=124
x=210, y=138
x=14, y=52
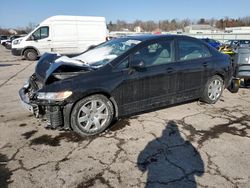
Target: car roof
x=151, y=37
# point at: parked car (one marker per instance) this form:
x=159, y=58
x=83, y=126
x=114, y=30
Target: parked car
x=3, y=39
x=61, y=34
x=8, y=44
x=124, y=76
x=212, y=42
x=227, y=50
x=242, y=61
x=9, y=41
x=237, y=43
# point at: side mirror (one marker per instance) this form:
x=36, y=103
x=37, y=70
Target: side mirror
x=32, y=37
x=137, y=64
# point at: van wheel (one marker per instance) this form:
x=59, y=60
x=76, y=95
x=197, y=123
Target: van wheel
x=30, y=54
x=213, y=90
x=92, y=115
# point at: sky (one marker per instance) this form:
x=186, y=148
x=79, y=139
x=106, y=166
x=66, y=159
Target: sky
x=19, y=13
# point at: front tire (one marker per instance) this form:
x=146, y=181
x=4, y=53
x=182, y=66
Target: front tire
x=213, y=90
x=92, y=115
x=30, y=54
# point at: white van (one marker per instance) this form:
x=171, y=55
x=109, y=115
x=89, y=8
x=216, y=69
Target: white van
x=66, y=35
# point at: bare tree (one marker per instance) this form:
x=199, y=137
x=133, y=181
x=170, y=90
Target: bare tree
x=30, y=27
x=4, y=31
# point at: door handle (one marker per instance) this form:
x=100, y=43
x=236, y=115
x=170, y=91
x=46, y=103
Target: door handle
x=48, y=40
x=170, y=70
x=205, y=64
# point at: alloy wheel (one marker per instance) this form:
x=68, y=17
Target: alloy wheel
x=93, y=115
x=215, y=89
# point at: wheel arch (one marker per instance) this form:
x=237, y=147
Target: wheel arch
x=205, y=93
x=109, y=96
x=220, y=75
x=31, y=47
x=104, y=93
x=71, y=107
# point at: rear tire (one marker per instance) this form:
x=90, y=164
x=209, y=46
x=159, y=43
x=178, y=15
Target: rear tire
x=30, y=54
x=213, y=90
x=246, y=82
x=92, y=115
x=234, y=86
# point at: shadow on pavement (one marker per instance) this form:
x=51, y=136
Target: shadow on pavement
x=170, y=161
x=4, y=171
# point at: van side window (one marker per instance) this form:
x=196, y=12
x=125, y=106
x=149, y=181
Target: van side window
x=41, y=33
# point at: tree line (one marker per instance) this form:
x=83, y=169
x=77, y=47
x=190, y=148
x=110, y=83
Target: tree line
x=19, y=30
x=154, y=26
x=175, y=24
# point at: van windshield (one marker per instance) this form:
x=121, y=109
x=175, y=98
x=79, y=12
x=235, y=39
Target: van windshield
x=106, y=52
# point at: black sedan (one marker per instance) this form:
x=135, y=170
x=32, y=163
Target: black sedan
x=122, y=77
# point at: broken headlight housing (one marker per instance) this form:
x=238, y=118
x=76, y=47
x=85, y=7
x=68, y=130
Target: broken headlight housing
x=54, y=96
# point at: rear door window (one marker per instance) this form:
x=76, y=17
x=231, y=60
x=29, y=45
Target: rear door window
x=190, y=49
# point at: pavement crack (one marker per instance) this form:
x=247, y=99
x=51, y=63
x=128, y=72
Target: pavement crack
x=217, y=170
x=98, y=160
x=91, y=182
x=219, y=129
x=13, y=76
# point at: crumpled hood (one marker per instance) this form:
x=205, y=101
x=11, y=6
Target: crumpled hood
x=68, y=61
x=49, y=63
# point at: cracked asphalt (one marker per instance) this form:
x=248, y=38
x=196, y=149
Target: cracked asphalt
x=190, y=145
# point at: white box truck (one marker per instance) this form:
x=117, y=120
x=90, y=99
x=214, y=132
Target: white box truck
x=66, y=35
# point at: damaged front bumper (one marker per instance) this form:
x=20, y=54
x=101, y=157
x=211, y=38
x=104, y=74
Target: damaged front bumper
x=25, y=101
x=57, y=115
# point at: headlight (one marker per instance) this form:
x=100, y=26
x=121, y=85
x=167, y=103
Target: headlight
x=55, y=96
x=26, y=84
x=17, y=41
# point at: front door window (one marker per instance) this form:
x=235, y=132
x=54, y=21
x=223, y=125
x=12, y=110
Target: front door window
x=41, y=33
x=156, y=53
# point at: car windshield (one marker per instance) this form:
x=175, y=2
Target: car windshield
x=106, y=52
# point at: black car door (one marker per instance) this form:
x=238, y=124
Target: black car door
x=152, y=85
x=195, y=64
